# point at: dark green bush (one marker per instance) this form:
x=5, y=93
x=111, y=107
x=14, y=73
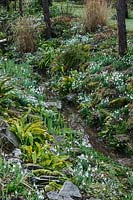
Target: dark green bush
x=74, y=56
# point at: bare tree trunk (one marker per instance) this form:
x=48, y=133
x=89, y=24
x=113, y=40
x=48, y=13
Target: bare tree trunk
x=126, y=12
x=46, y=13
x=7, y=5
x=21, y=7
x=122, y=37
x=15, y=5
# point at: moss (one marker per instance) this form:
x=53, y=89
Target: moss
x=119, y=102
x=2, y=35
x=92, y=85
x=39, y=172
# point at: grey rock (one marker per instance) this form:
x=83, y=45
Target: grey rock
x=17, y=152
x=52, y=195
x=31, y=166
x=65, y=198
x=3, y=40
x=8, y=140
x=44, y=180
x=39, y=181
x=69, y=190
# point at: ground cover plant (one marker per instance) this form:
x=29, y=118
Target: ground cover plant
x=53, y=92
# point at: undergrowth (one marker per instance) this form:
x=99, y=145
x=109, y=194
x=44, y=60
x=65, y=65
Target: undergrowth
x=85, y=70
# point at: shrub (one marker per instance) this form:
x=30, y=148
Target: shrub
x=25, y=35
x=61, y=26
x=74, y=56
x=96, y=14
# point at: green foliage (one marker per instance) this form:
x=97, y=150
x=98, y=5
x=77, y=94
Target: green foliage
x=61, y=27
x=13, y=182
x=74, y=56
x=54, y=11
x=2, y=35
x=65, y=85
x=100, y=177
x=53, y=119
x=28, y=133
x=46, y=60
x=5, y=90
x=100, y=83
x=36, y=142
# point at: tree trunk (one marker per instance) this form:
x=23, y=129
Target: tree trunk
x=126, y=12
x=46, y=13
x=21, y=7
x=122, y=37
x=7, y=5
x=15, y=5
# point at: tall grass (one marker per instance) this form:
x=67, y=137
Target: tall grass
x=96, y=14
x=25, y=35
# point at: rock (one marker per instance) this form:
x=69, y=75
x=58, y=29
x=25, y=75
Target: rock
x=43, y=180
x=69, y=190
x=31, y=166
x=3, y=41
x=39, y=181
x=3, y=44
x=8, y=140
x=52, y=195
x=17, y=152
x=65, y=198
x=55, y=196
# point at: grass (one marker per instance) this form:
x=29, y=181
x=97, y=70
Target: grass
x=77, y=11
x=129, y=24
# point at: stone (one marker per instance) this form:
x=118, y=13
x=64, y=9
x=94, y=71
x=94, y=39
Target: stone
x=69, y=190
x=3, y=44
x=17, y=153
x=31, y=166
x=3, y=41
x=52, y=195
x=65, y=198
x=8, y=140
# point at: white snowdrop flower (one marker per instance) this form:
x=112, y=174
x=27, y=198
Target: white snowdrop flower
x=94, y=169
x=38, y=192
x=102, y=175
x=81, y=157
x=29, y=193
x=86, y=174
x=4, y=166
x=35, y=186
